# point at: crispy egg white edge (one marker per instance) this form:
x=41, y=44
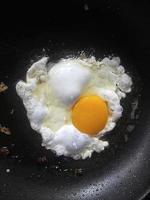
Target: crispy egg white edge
x=36, y=113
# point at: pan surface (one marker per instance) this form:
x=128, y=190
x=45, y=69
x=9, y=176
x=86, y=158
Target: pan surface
x=98, y=28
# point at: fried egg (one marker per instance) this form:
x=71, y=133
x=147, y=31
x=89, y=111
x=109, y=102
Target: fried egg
x=74, y=102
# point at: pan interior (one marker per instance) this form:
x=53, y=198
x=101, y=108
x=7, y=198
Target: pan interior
x=61, y=177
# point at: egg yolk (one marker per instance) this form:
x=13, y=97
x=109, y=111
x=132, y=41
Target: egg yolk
x=90, y=114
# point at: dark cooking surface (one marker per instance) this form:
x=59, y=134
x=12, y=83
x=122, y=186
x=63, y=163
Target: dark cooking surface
x=121, y=171
x=147, y=197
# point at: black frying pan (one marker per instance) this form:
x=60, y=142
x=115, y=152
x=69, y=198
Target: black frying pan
x=99, y=28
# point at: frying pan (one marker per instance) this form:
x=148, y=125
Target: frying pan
x=61, y=29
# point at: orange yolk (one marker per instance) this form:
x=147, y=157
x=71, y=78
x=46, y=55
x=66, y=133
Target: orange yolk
x=90, y=114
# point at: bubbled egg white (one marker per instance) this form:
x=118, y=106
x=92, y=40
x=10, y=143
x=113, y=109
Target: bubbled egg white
x=67, y=80
x=49, y=93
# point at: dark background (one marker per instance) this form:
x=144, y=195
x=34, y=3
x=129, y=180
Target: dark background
x=22, y=25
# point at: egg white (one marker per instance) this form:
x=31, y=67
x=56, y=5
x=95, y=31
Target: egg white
x=48, y=95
